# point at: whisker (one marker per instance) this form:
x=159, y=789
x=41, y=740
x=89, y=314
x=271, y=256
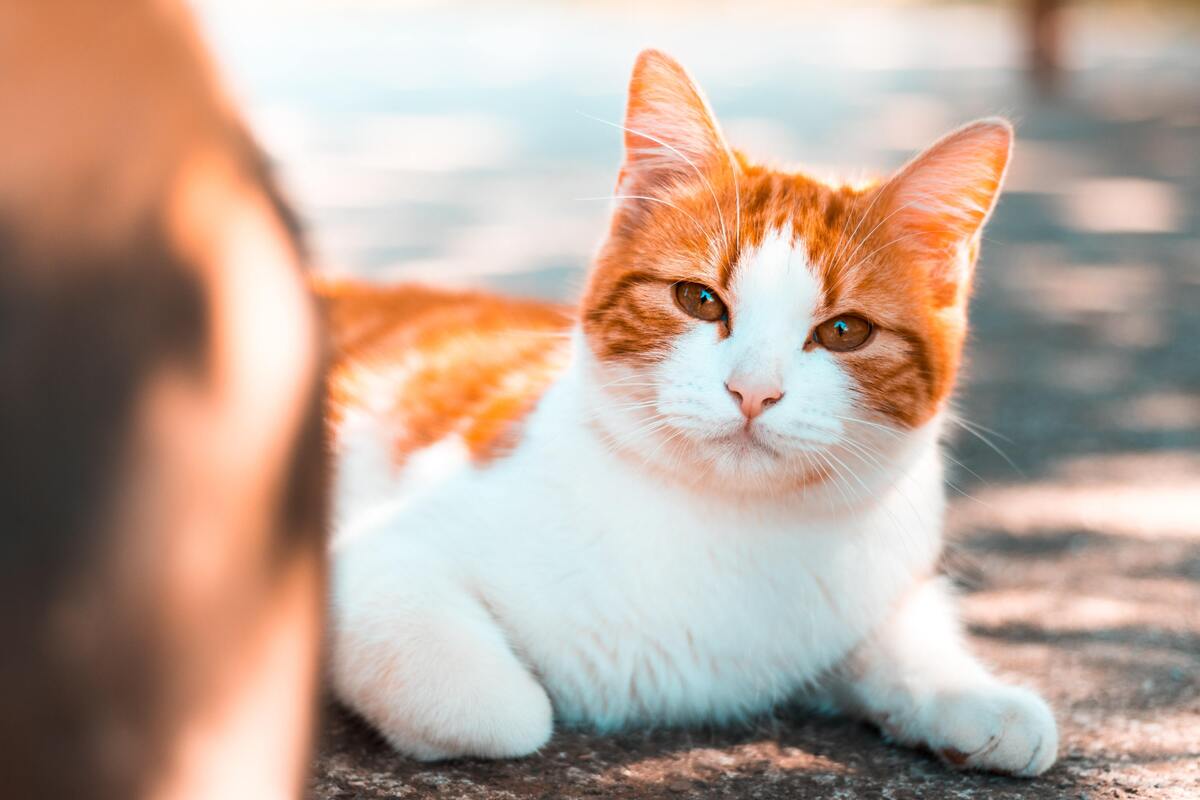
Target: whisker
x=842, y=238
x=990, y=444
x=871, y=232
x=650, y=456
x=625, y=406
x=655, y=423
x=539, y=334
x=708, y=234
x=967, y=495
x=853, y=474
x=844, y=270
x=839, y=479
x=862, y=451
x=633, y=386
x=904, y=530
x=964, y=467
x=961, y=420
x=875, y=425
x=622, y=381
x=688, y=161
x=737, y=207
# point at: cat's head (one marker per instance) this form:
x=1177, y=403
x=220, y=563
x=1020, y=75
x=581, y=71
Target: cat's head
x=760, y=329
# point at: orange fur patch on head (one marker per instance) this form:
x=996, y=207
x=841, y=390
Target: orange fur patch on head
x=676, y=193
x=899, y=253
x=911, y=267
x=435, y=363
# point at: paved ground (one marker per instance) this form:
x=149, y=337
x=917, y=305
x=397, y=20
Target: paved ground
x=1079, y=560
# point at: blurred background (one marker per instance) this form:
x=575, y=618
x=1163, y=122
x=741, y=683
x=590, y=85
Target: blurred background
x=451, y=142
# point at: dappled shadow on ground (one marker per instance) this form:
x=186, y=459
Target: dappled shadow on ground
x=779, y=758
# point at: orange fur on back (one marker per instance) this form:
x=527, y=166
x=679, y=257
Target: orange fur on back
x=437, y=363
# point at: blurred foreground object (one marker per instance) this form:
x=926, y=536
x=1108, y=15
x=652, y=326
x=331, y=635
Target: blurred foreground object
x=161, y=572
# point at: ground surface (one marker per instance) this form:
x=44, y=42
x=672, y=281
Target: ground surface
x=1079, y=561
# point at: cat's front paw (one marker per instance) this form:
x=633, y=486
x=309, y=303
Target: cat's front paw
x=996, y=728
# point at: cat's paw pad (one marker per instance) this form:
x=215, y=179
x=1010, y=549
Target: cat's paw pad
x=997, y=728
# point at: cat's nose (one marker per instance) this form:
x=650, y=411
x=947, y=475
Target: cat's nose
x=753, y=397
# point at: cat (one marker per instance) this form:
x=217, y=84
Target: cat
x=712, y=488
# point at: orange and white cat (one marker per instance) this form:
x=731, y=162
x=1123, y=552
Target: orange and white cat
x=713, y=487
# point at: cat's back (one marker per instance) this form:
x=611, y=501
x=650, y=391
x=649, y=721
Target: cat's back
x=429, y=364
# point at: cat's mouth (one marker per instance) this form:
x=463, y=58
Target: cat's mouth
x=748, y=439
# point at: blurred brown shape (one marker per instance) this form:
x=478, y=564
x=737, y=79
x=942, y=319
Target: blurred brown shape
x=1044, y=25
x=161, y=459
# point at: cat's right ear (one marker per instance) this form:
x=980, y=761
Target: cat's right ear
x=935, y=207
x=670, y=131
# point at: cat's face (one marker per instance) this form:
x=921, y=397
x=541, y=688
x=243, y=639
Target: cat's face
x=761, y=330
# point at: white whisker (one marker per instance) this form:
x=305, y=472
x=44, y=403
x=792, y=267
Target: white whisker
x=842, y=238
x=995, y=447
x=688, y=161
x=708, y=234
x=843, y=270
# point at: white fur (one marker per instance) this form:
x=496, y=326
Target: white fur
x=772, y=299
x=643, y=557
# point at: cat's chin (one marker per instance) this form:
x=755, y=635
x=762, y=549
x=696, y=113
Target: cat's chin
x=742, y=462
x=747, y=442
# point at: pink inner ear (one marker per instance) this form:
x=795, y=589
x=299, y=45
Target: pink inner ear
x=942, y=198
x=669, y=126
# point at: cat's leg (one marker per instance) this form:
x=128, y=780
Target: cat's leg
x=915, y=679
x=425, y=663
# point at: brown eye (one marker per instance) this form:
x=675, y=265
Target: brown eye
x=842, y=333
x=700, y=301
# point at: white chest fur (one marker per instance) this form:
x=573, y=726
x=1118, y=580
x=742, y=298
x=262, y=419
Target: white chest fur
x=627, y=598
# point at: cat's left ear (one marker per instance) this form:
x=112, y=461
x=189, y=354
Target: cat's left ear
x=936, y=206
x=671, y=134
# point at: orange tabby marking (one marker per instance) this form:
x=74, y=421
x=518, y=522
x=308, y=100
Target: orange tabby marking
x=629, y=315
x=436, y=363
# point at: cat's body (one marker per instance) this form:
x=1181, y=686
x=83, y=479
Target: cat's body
x=543, y=517
x=634, y=601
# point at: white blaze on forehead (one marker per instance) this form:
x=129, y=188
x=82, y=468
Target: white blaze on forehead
x=775, y=292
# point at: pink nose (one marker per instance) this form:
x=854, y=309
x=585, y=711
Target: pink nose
x=753, y=398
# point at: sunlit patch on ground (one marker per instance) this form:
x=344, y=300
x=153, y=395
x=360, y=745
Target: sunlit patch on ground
x=1143, y=496
x=1124, y=205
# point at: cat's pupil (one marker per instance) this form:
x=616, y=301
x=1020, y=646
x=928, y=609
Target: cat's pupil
x=706, y=296
x=841, y=327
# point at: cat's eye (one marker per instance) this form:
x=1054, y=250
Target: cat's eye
x=842, y=333
x=700, y=301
